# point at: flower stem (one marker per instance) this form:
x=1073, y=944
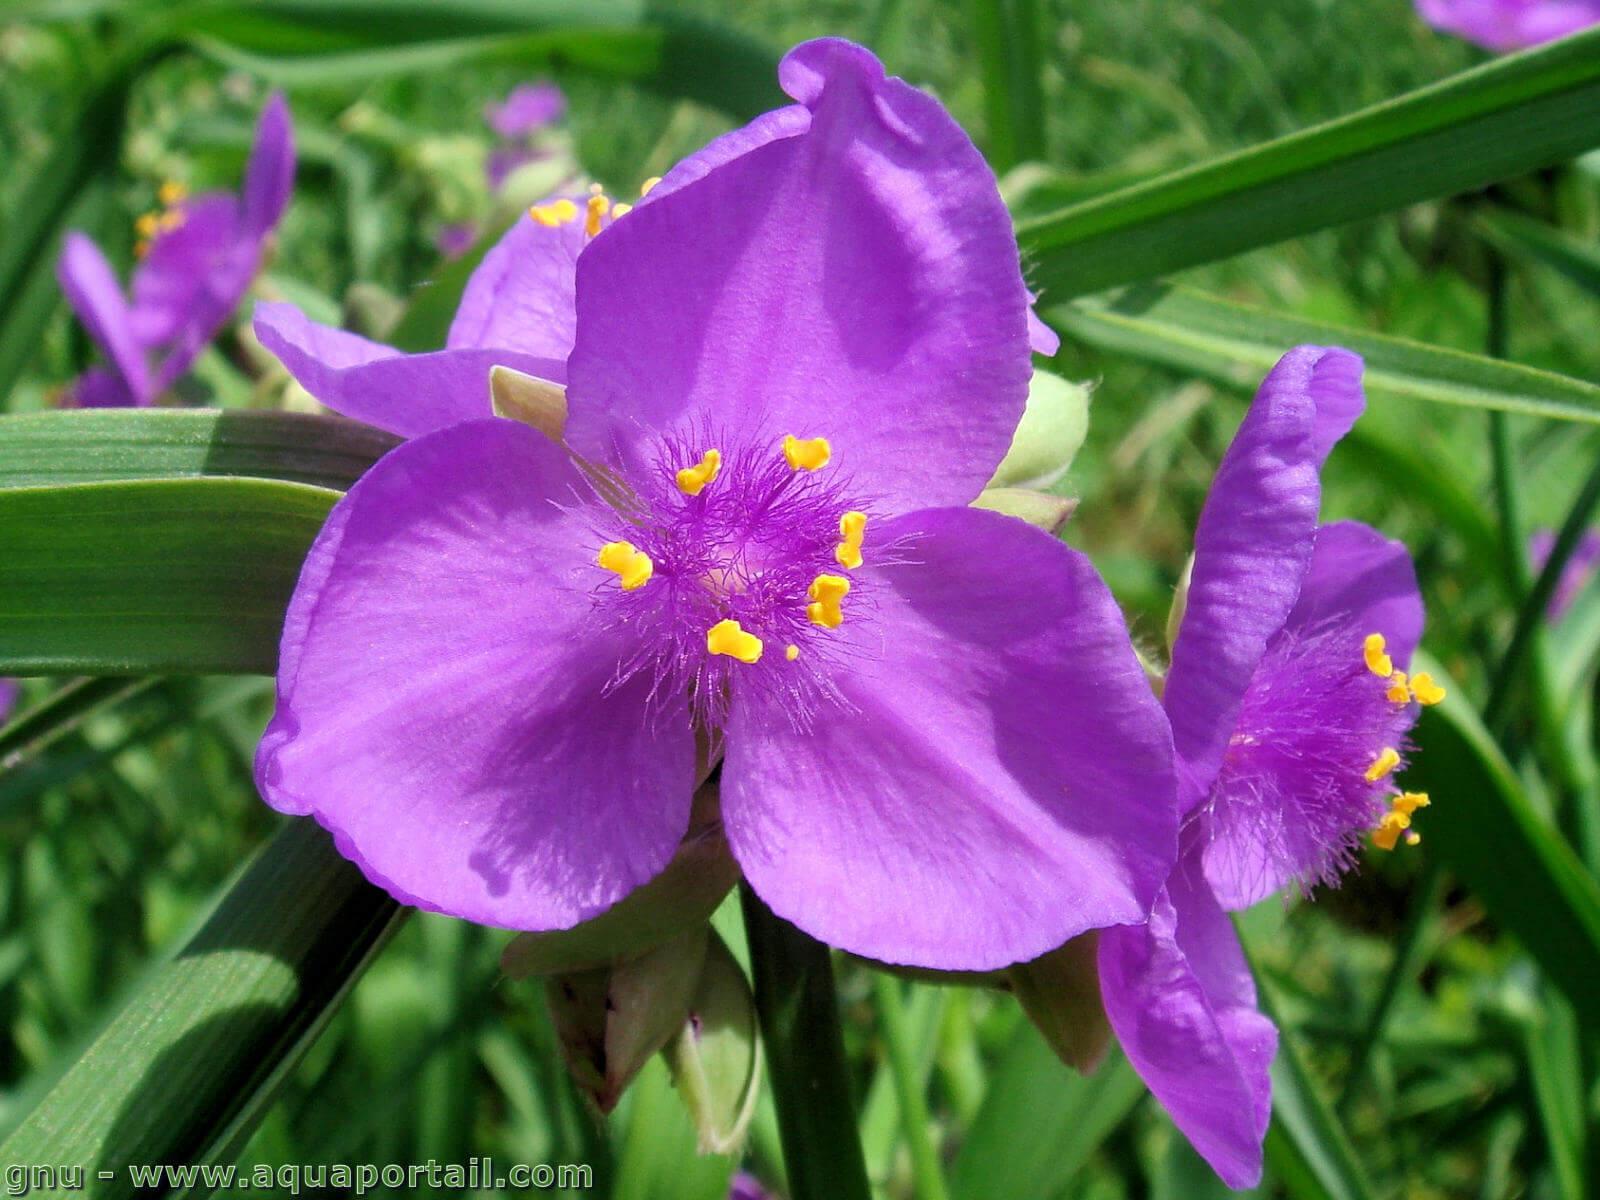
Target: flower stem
x=927, y=1180
x=805, y=1050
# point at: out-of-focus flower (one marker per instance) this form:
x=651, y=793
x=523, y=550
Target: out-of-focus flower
x=10, y=689
x=1503, y=25
x=198, y=257
x=1575, y=576
x=745, y=1186
x=789, y=368
x=1290, y=705
x=527, y=108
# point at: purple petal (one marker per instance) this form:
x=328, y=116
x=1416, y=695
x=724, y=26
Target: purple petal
x=858, y=281
x=1504, y=25
x=992, y=776
x=269, y=177
x=91, y=288
x=1180, y=998
x=1360, y=578
x=447, y=703
x=1251, y=549
x=528, y=108
x=521, y=295
x=452, y=241
x=10, y=689
x=1041, y=338
x=191, y=281
x=1575, y=576
x=406, y=394
x=101, y=387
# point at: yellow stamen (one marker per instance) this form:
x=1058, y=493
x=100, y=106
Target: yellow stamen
x=806, y=454
x=141, y=248
x=1424, y=690
x=644, y=188
x=852, y=527
x=147, y=225
x=1413, y=838
x=618, y=211
x=173, y=219
x=633, y=566
x=691, y=480
x=827, y=592
x=1398, y=693
x=1378, y=662
x=1386, y=761
x=598, y=207
x=172, y=192
x=1409, y=802
x=726, y=637
x=557, y=212
x=791, y=652
x=1389, y=830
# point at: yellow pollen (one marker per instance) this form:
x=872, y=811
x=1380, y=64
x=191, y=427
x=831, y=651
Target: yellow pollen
x=172, y=192
x=827, y=592
x=633, y=566
x=1398, y=693
x=557, y=212
x=1386, y=761
x=806, y=454
x=147, y=225
x=726, y=637
x=791, y=652
x=598, y=207
x=691, y=480
x=1409, y=802
x=1378, y=662
x=852, y=527
x=618, y=211
x=1424, y=690
x=1389, y=830
x=644, y=188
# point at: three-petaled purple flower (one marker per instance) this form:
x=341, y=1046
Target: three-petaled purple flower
x=1503, y=25
x=1290, y=706
x=198, y=257
x=791, y=366
x=527, y=110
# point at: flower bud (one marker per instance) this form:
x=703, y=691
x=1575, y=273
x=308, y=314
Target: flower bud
x=1060, y=993
x=529, y=399
x=1044, y=509
x=1049, y=436
x=715, y=1058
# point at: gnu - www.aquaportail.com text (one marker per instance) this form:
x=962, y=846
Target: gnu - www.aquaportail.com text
x=292, y=1179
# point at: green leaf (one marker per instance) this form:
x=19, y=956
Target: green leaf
x=1505, y=118
x=154, y=577
x=1236, y=344
x=95, y=445
x=1009, y=36
x=1535, y=241
x=1484, y=829
x=1040, y=1122
x=186, y=1069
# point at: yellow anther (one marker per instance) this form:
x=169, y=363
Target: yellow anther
x=644, y=188
x=141, y=248
x=173, y=218
x=147, y=225
x=827, y=592
x=1386, y=761
x=1409, y=802
x=1398, y=692
x=557, y=212
x=618, y=211
x=791, y=652
x=633, y=566
x=1413, y=838
x=1378, y=662
x=852, y=527
x=692, y=479
x=1389, y=830
x=806, y=454
x=598, y=206
x=1424, y=690
x=172, y=192
x=726, y=637
x=596, y=190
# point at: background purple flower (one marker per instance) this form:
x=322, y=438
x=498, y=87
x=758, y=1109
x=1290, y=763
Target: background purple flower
x=527, y=108
x=200, y=257
x=1503, y=25
x=1289, y=705
x=1575, y=576
x=10, y=689
x=515, y=741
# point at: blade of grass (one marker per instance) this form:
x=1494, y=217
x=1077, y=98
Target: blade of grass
x=1008, y=36
x=1534, y=241
x=64, y=712
x=927, y=1179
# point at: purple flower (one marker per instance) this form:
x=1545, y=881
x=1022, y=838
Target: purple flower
x=745, y=1186
x=528, y=108
x=790, y=370
x=197, y=259
x=1290, y=706
x=10, y=689
x=1503, y=25
x=1575, y=576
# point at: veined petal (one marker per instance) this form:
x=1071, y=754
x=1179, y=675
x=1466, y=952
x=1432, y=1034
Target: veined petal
x=406, y=394
x=993, y=777
x=1361, y=578
x=91, y=288
x=1041, y=338
x=447, y=705
x=1251, y=550
x=857, y=280
x=1181, y=1001
x=521, y=295
x=269, y=177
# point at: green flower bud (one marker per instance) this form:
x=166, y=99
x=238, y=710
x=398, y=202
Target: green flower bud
x=1044, y=509
x=715, y=1058
x=1060, y=993
x=1049, y=436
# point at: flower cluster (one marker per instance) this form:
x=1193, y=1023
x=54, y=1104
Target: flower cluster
x=1503, y=25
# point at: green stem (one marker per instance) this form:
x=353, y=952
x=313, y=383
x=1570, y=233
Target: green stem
x=927, y=1180
x=805, y=1050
